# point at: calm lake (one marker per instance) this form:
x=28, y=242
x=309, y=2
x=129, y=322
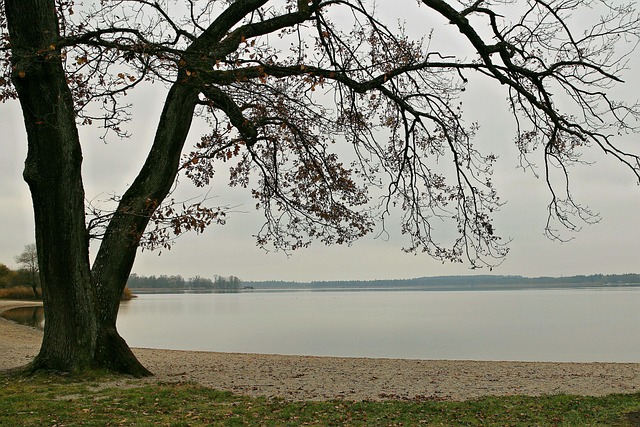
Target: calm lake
x=581, y=325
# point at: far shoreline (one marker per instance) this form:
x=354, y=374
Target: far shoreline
x=8, y=304
x=363, y=288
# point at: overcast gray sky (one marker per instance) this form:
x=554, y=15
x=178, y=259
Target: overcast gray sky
x=612, y=246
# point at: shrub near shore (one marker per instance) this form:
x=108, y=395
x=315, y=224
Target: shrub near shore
x=18, y=293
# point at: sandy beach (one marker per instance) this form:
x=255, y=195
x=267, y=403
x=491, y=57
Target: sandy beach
x=326, y=378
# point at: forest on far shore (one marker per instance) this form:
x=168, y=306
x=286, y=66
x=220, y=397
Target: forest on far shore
x=219, y=283
x=478, y=282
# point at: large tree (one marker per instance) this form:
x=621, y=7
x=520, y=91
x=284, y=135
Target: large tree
x=285, y=87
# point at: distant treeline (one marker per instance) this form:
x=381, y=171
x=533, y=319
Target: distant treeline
x=463, y=282
x=10, y=278
x=137, y=282
x=480, y=282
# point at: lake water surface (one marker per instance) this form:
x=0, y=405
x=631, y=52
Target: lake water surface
x=581, y=325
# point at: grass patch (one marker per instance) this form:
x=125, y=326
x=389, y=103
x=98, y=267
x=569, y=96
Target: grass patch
x=91, y=401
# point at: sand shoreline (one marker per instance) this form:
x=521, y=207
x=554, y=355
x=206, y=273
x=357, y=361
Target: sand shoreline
x=326, y=378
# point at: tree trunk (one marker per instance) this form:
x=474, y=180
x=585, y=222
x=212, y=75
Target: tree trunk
x=117, y=252
x=81, y=305
x=53, y=172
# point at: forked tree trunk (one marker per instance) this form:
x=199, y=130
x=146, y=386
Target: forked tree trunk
x=80, y=305
x=53, y=172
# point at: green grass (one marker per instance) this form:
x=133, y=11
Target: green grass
x=45, y=400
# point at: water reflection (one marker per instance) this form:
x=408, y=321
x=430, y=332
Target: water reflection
x=536, y=325
x=34, y=316
x=28, y=316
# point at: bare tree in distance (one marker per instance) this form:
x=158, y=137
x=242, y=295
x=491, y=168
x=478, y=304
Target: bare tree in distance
x=284, y=86
x=28, y=259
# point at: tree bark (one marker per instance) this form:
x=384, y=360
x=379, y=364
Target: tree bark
x=53, y=173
